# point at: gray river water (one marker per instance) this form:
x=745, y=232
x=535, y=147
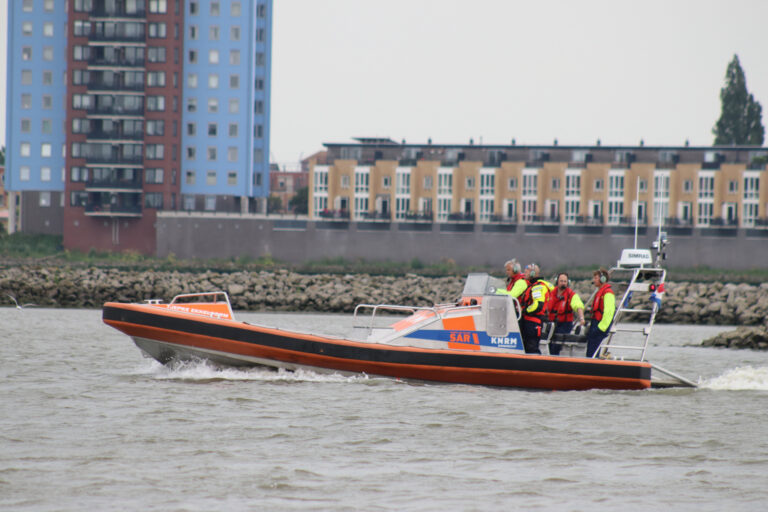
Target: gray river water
x=87, y=423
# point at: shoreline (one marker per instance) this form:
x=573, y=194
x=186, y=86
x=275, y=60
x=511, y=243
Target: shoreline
x=713, y=303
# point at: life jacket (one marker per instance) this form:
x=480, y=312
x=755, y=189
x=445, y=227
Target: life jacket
x=559, y=308
x=597, y=305
x=528, y=299
x=512, y=280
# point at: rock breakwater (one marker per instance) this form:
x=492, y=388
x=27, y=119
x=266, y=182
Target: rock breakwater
x=684, y=302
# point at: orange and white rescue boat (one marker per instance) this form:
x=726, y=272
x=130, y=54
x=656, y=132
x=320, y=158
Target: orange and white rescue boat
x=474, y=341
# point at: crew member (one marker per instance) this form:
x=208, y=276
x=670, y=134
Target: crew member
x=534, y=303
x=517, y=282
x=603, y=309
x=564, y=304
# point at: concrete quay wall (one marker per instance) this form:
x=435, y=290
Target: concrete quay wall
x=297, y=240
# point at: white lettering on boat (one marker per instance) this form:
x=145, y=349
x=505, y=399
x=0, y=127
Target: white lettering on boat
x=203, y=312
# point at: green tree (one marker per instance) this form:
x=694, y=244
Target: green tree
x=299, y=202
x=741, y=115
x=274, y=204
x=2, y=155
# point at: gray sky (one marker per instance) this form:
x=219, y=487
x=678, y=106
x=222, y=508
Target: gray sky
x=491, y=70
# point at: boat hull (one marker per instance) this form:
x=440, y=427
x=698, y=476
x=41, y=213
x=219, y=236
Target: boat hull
x=167, y=336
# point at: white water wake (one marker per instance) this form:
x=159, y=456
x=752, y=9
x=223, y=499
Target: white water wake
x=202, y=371
x=742, y=378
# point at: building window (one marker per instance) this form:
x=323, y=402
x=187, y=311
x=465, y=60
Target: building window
x=213, y=56
x=46, y=126
x=213, y=81
x=386, y=182
x=232, y=154
x=192, y=80
x=231, y=178
x=213, y=105
x=45, y=150
x=213, y=33
x=688, y=186
x=194, y=8
x=234, y=106
x=26, y=28
x=153, y=176
x=234, y=81
x=191, y=104
x=211, y=153
x=530, y=185
x=156, y=79
x=191, y=152
x=213, y=129
x=191, y=129
x=48, y=53
x=48, y=29
x=158, y=6
x=234, y=57
x=233, y=129
x=598, y=185
x=234, y=33
x=47, y=78
x=469, y=183
x=234, y=9
x=153, y=200
x=193, y=56
x=26, y=77
x=260, y=35
x=26, y=101
x=190, y=178
x=26, y=53
x=260, y=59
x=345, y=181
x=26, y=125
x=259, y=129
x=210, y=178
x=428, y=182
x=157, y=30
x=733, y=187
x=24, y=173
x=258, y=107
x=45, y=174
x=27, y=6
x=156, y=54
x=47, y=101
x=261, y=11
x=155, y=151
x=210, y=203
x=643, y=186
x=45, y=199
x=215, y=8
x=156, y=127
x=555, y=184
x=156, y=103
x=193, y=32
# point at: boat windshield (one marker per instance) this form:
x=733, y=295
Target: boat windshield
x=478, y=284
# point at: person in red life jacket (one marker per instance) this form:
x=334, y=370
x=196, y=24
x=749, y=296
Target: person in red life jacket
x=517, y=283
x=534, y=303
x=563, y=307
x=603, y=309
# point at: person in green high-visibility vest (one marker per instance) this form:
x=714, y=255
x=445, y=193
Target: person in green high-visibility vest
x=603, y=309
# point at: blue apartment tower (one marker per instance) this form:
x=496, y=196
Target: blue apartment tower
x=120, y=109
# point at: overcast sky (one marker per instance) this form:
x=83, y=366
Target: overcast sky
x=451, y=70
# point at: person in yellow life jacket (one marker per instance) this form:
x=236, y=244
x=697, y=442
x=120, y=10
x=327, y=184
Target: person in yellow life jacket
x=603, y=309
x=564, y=306
x=534, y=301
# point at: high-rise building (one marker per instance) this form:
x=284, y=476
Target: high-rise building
x=118, y=109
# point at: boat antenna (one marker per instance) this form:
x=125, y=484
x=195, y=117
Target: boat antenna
x=637, y=207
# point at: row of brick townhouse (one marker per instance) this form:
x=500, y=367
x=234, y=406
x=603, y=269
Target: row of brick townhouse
x=381, y=180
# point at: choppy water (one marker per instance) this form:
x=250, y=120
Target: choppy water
x=87, y=423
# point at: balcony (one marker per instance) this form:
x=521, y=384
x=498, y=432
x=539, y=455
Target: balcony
x=114, y=135
x=461, y=217
x=114, y=181
x=675, y=222
x=105, y=204
x=630, y=221
x=585, y=220
x=386, y=216
x=114, y=157
x=117, y=10
x=420, y=216
x=114, y=85
x=99, y=35
x=334, y=214
x=761, y=223
x=121, y=62
x=115, y=110
x=542, y=219
x=499, y=219
x=720, y=222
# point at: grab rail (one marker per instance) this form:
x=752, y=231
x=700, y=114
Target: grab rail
x=438, y=310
